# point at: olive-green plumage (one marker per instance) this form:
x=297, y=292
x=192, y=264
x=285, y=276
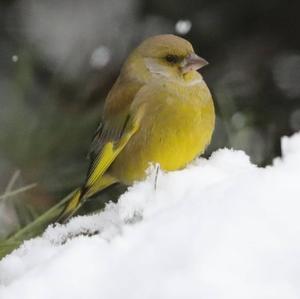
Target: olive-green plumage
x=158, y=111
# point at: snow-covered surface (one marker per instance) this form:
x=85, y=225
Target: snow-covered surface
x=222, y=228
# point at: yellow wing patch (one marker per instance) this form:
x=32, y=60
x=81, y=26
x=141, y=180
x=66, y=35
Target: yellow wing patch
x=108, y=154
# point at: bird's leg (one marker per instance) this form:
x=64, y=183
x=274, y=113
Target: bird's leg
x=157, y=168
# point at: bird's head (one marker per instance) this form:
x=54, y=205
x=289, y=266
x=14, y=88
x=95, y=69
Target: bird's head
x=166, y=56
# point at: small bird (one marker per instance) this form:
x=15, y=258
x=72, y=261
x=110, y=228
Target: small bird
x=159, y=111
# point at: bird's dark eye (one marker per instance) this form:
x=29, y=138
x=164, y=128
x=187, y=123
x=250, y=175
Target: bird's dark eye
x=172, y=58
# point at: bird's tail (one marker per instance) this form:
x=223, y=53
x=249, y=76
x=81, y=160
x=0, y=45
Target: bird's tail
x=82, y=194
x=71, y=207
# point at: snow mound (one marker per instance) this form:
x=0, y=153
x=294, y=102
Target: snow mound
x=222, y=228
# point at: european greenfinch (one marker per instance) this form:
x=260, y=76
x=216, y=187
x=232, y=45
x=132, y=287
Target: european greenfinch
x=159, y=111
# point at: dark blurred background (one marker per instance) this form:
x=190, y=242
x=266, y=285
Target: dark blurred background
x=59, y=58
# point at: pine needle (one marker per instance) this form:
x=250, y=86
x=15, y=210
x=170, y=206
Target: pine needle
x=34, y=228
x=15, y=192
x=12, y=181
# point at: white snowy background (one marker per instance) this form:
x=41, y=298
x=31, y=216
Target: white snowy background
x=222, y=228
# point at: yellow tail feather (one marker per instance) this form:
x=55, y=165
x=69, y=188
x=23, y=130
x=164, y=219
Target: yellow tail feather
x=71, y=207
x=82, y=194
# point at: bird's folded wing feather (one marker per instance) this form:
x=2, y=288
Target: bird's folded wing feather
x=115, y=130
x=108, y=153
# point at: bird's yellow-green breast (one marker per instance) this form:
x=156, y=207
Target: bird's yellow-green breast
x=178, y=122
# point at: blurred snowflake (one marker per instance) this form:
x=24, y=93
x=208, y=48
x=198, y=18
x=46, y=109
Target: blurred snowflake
x=183, y=26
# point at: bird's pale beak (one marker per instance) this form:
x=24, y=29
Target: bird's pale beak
x=193, y=62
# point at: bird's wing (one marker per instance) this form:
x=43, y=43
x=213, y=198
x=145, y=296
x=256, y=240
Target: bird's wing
x=109, y=151
x=107, y=131
x=115, y=130
x=116, y=115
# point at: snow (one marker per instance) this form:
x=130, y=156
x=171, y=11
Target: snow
x=221, y=228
